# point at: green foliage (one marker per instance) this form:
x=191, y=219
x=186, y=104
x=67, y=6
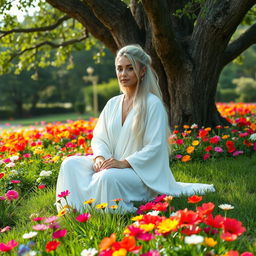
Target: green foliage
x=105, y=91
x=226, y=95
x=246, y=88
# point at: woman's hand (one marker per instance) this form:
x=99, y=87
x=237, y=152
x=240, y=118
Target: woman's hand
x=113, y=163
x=98, y=163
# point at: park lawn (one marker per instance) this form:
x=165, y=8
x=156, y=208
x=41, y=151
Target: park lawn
x=45, y=118
x=234, y=180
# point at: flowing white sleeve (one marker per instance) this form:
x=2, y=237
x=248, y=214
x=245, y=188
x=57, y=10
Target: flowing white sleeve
x=155, y=146
x=100, y=141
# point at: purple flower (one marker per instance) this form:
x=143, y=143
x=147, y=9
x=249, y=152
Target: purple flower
x=218, y=149
x=178, y=156
x=238, y=152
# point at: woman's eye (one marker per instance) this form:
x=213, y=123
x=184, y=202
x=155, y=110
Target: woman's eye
x=130, y=68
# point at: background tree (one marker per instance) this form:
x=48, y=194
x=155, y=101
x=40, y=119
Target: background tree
x=190, y=42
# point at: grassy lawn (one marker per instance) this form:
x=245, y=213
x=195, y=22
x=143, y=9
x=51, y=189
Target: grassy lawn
x=46, y=118
x=234, y=181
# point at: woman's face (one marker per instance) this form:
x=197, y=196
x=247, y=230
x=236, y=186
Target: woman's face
x=125, y=73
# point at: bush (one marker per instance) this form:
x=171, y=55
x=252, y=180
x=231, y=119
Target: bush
x=226, y=95
x=105, y=91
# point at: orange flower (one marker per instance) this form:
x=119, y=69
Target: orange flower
x=186, y=158
x=209, y=241
x=185, y=126
x=107, y=242
x=190, y=149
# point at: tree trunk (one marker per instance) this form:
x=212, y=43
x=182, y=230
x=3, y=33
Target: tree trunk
x=19, y=108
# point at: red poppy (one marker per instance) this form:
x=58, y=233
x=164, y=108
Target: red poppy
x=215, y=222
x=194, y=199
x=206, y=208
x=52, y=245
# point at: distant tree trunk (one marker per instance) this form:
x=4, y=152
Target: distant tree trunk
x=19, y=112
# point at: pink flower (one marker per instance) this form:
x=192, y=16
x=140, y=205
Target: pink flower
x=64, y=193
x=151, y=253
x=38, y=218
x=178, y=156
x=2, y=198
x=54, y=225
x=27, y=155
x=179, y=141
x=50, y=219
x=238, y=152
x=218, y=149
x=254, y=146
x=12, y=195
x=7, y=228
x=15, y=181
x=243, y=134
x=7, y=160
x=9, y=246
x=247, y=254
x=59, y=233
x=40, y=227
x=83, y=217
x=145, y=236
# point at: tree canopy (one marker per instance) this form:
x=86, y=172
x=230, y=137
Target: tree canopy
x=190, y=42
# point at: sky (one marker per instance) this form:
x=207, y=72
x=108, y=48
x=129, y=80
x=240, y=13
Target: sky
x=20, y=15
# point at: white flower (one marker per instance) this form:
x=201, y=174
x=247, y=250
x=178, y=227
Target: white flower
x=45, y=173
x=226, y=207
x=1, y=161
x=11, y=164
x=89, y=252
x=38, y=180
x=153, y=213
x=253, y=137
x=194, y=239
x=29, y=253
x=14, y=158
x=194, y=126
x=29, y=235
x=14, y=172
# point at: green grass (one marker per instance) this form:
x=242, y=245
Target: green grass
x=234, y=181
x=47, y=119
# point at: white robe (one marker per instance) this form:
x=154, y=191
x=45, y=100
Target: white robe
x=150, y=173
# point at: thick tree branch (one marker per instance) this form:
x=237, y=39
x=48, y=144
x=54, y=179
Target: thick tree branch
x=53, y=45
x=39, y=29
x=115, y=15
x=239, y=45
x=81, y=12
x=163, y=36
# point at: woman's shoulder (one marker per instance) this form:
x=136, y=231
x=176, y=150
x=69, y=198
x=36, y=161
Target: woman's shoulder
x=152, y=99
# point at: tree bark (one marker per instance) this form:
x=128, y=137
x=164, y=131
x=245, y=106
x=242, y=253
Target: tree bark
x=188, y=56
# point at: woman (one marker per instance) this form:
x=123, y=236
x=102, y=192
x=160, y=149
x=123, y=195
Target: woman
x=130, y=148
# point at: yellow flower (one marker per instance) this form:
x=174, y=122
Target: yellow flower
x=101, y=206
x=120, y=252
x=168, y=198
x=195, y=142
x=225, y=137
x=90, y=201
x=55, y=159
x=190, y=149
x=186, y=158
x=62, y=212
x=138, y=217
x=167, y=225
x=38, y=151
x=114, y=207
x=209, y=241
x=147, y=227
x=67, y=206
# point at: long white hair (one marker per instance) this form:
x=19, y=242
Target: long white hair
x=145, y=85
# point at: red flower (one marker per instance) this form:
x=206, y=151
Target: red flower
x=179, y=141
x=214, y=139
x=42, y=186
x=160, y=198
x=206, y=156
x=52, y=245
x=215, y=222
x=194, y=199
x=206, y=208
x=83, y=217
x=147, y=207
x=9, y=246
x=202, y=133
x=191, y=230
x=230, y=146
x=232, y=228
x=187, y=218
x=1, y=175
x=160, y=206
x=128, y=243
x=209, y=148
